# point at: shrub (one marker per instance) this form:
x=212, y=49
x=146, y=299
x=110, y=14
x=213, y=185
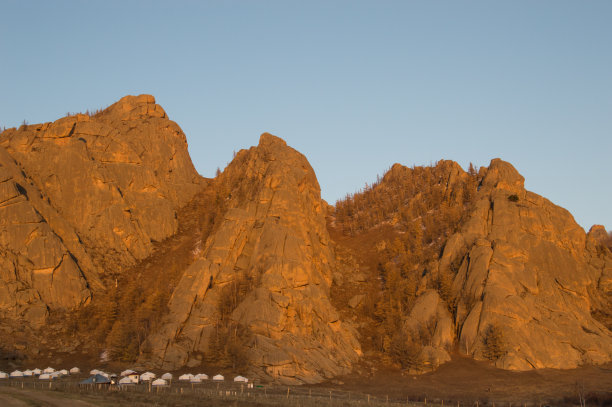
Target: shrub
x=513, y=198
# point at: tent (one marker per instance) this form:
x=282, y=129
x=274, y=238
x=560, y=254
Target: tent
x=159, y=382
x=127, y=372
x=126, y=380
x=218, y=378
x=96, y=379
x=64, y=372
x=75, y=370
x=16, y=373
x=4, y=375
x=195, y=379
x=147, y=376
x=49, y=370
x=45, y=376
x=37, y=371
x=94, y=372
x=167, y=376
x=55, y=375
x=186, y=377
x=241, y=379
x=202, y=376
x=28, y=373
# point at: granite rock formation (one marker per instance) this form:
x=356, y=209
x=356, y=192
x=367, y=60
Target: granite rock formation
x=86, y=196
x=273, y=235
x=526, y=267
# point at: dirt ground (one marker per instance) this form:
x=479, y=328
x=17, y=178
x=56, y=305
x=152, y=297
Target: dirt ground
x=466, y=380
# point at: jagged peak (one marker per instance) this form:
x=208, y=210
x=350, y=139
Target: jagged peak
x=135, y=107
x=270, y=140
x=502, y=174
x=598, y=232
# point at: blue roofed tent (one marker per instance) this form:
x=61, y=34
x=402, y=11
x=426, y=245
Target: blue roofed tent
x=96, y=379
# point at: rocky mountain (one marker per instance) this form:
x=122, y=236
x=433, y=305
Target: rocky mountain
x=84, y=197
x=105, y=221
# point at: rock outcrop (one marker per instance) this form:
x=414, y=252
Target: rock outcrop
x=83, y=196
x=273, y=236
x=526, y=268
x=427, y=259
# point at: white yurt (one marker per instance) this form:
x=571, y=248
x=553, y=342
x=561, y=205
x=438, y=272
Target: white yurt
x=45, y=376
x=195, y=379
x=202, y=376
x=75, y=370
x=186, y=377
x=167, y=376
x=218, y=378
x=16, y=373
x=104, y=374
x=159, y=382
x=146, y=376
x=55, y=375
x=127, y=372
x=49, y=370
x=64, y=372
x=241, y=379
x=28, y=373
x=126, y=380
x=4, y=375
x=36, y=371
x=94, y=372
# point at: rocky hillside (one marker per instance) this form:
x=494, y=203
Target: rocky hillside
x=84, y=197
x=261, y=283
x=473, y=262
x=110, y=240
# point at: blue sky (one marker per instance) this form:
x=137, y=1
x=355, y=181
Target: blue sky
x=354, y=85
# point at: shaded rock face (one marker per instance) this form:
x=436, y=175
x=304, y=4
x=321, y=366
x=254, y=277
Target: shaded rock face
x=86, y=195
x=273, y=235
x=523, y=265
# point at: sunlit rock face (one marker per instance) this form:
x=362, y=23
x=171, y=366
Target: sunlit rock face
x=525, y=266
x=83, y=196
x=273, y=235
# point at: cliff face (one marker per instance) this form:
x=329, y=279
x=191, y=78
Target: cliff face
x=270, y=259
x=86, y=196
x=526, y=267
x=427, y=260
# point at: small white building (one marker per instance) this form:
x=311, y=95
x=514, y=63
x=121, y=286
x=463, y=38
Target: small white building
x=185, y=377
x=4, y=375
x=45, y=376
x=16, y=373
x=55, y=375
x=127, y=380
x=37, y=371
x=241, y=379
x=28, y=373
x=92, y=372
x=167, y=376
x=218, y=378
x=49, y=370
x=195, y=379
x=159, y=382
x=147, y=376
x=202, y=376
x=127, y=372
x=64, y=372
x=75, y=370
x=135, y=377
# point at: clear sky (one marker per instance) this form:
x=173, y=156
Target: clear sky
x=354, y=85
